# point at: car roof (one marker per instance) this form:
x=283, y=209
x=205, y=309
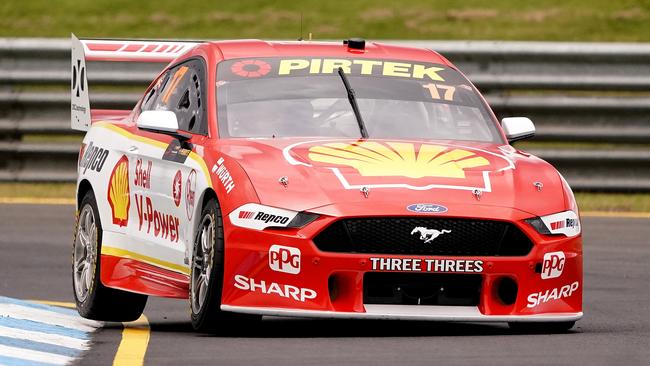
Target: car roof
x=373, y=50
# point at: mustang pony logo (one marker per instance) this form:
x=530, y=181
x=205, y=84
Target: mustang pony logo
x=428, y=235
x=374, y=159
x=118, y=192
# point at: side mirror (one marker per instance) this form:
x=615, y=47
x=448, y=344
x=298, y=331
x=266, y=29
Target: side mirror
x=158, y=121
x=518, y=128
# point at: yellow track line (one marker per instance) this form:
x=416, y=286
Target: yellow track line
x=37, y=201
x=135, y=337
x=634, y=215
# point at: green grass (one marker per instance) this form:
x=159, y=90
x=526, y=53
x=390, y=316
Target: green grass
x=571, y=20
x=617, y=202
x=38, y=190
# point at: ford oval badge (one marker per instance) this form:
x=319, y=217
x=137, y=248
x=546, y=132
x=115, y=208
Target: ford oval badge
x=426, y=208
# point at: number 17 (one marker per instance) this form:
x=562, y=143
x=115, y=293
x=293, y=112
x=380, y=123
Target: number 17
x=435, y=94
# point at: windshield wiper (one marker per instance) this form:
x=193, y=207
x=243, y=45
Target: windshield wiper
x=353, y=103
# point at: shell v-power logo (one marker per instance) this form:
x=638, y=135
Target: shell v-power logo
x=399, y=159
x=118, y=192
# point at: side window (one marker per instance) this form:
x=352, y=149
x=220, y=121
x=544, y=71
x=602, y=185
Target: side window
x=182, y=90
x=150, y=99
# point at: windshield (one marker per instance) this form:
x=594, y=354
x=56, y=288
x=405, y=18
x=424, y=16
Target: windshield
x=278, y=97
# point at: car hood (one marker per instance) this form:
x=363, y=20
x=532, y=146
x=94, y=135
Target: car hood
x=394, y=174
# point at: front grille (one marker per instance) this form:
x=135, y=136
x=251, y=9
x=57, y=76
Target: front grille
x=421, y=289
x=392, y=235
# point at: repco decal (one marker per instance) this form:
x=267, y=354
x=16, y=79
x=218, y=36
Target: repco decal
x=258, y=217
x=118, y=192
x=93, y=158
x=160, y=224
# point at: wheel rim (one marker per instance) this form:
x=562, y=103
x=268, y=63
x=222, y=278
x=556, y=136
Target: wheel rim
x=202, y=264
x=85, y=253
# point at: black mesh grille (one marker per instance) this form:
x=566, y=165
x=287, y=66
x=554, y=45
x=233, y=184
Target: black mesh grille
x=393, y=235
x=421, y=289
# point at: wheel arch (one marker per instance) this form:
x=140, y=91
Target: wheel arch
x=83, y=188
x=207, y=195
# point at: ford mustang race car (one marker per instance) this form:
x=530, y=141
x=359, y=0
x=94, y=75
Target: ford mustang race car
x=313, y=179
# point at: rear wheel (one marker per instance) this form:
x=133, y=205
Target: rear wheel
x=206, y=278
x=554, y=327
x=94, y=300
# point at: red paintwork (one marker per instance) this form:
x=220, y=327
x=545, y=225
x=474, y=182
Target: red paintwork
x=256, y=165
x=133, y=275
x=109, y=114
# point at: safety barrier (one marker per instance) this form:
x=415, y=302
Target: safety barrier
x=589, y=103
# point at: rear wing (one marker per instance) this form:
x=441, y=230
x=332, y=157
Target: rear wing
x=81, y=116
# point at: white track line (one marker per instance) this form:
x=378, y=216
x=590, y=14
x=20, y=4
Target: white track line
x=48, y=317
x=54, y=339
x=36, y=356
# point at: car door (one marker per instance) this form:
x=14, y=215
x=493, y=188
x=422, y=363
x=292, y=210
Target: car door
x=165, y=177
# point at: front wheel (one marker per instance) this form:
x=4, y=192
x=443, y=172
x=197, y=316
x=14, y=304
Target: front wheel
x=206, y=277
x=94, y=300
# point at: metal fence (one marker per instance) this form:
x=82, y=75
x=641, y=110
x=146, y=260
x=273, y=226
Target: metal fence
x=589, y=103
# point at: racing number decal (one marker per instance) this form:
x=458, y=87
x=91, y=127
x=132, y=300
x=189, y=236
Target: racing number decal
x=434, y=89
x=178, y=75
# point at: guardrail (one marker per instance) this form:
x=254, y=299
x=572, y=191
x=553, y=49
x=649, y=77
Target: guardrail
x=575, y=93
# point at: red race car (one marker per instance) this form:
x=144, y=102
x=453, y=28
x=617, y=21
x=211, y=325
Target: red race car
x=312, y=179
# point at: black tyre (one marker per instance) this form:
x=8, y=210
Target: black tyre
x=206, y=277
x=94, y=300
x=541, y=328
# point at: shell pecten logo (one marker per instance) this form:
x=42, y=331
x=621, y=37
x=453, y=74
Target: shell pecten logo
x=118, y=192
x=392, y=159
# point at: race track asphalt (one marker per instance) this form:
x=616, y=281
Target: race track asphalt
x=35, y=243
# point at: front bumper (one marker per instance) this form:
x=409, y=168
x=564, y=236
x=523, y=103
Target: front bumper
x=328, y=284
x=408, y=312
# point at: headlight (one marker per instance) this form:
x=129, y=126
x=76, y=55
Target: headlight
x=564, y=223
x=260, y=217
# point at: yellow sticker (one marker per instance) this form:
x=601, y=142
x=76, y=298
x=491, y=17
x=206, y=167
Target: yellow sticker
x=379, y=159
x=360, y=67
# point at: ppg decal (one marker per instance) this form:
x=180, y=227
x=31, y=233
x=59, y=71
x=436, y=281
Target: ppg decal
x=284, y=259
x=553, y=265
